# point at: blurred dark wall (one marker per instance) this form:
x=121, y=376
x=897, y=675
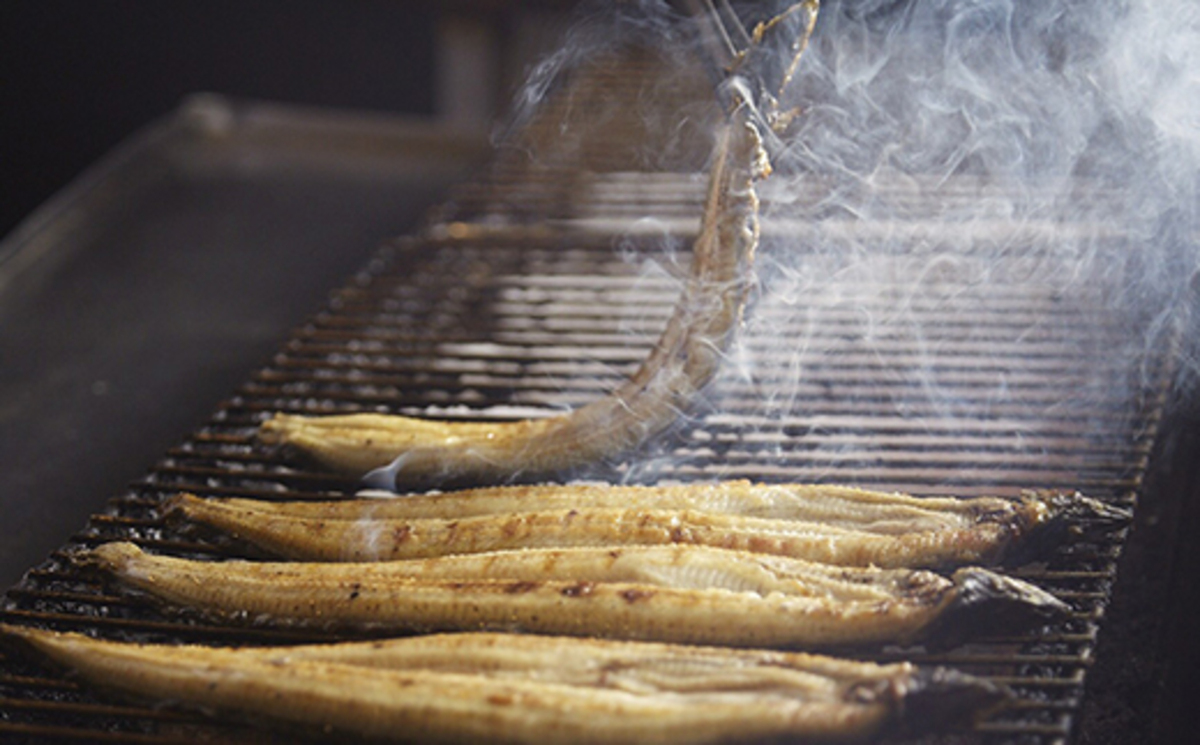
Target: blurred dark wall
x=78, y=76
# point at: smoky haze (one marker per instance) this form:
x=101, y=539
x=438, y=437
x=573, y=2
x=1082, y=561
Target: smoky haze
x=951, y=154
x=1062, y=131
x=980, y=225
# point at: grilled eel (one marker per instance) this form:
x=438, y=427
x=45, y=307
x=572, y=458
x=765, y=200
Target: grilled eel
x=503, y=688
x=838, y=525
x=684, y=594
x=390, y=449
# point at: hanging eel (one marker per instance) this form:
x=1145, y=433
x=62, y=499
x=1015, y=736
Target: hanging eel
x=391, y=449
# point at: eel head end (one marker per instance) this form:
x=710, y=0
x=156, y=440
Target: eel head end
x=984, y=602
x=1076, y=509
x=937, y=697
x=1050, y=519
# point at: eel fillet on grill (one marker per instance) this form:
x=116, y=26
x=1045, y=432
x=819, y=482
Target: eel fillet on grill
x=685, y=594
x=838, y=525
x=400, y=450
x=501, y=688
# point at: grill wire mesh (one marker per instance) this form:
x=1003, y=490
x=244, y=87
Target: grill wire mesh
x=538, y=287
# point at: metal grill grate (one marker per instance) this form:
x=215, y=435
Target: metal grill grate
x=487, y=328
x=901, y=370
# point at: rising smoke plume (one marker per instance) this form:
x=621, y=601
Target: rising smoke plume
x=1075, y=124
x=948, y=153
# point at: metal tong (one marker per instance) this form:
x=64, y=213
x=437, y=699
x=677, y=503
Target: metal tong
x=753, y=67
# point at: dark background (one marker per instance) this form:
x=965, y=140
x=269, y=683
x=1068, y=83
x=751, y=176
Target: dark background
x=127, y=334
x=149, y=289
x=79, y=76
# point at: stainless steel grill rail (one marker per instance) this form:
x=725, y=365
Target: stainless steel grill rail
x=896, y=372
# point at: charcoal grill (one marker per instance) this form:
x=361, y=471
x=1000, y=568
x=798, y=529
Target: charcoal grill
x=541, y=284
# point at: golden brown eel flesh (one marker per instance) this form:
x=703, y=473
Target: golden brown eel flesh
x=685, y=594
x=832, y=524
x=503, y=688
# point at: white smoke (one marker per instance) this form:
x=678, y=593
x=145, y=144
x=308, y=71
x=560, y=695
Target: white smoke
x=993, y=141
x=948, y=156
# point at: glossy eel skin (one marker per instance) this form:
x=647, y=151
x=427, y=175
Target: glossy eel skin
x=391, y=450
x=684, y=594
x=838, y=525
x=501, y=688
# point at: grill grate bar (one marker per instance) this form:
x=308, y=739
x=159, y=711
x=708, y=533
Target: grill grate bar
x=1061, y=728
x=977, y=393
x=503, y=374
x=147, y=626
x=641, y=315
x=161, y=489
x=374, y=355
x=27, y=682
x=51, y=733
x=101, y=710
x=881, y=472
x=582, y=343
x=931, y=452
